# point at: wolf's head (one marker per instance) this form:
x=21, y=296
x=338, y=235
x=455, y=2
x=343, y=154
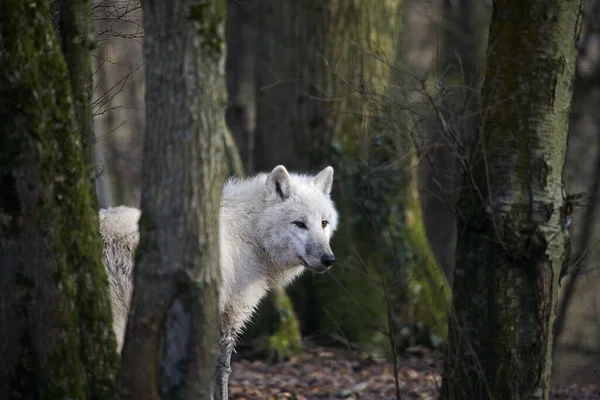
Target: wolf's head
x=299, y=220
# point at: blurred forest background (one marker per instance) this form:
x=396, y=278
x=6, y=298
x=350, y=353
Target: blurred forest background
x=385, y=91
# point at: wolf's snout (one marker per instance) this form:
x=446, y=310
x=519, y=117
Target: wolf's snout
x=328, y=260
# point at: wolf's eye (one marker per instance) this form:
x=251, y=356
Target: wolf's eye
x=300, y=224
x=324, y=224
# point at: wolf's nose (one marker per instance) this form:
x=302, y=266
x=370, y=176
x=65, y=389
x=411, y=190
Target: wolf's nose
x=328, y=260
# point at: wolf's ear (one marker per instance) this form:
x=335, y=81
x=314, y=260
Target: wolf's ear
x=324, y=180
x=279, y=182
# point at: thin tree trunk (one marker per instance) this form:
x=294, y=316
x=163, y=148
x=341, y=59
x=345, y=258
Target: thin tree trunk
x=577, y=344
x=513, y=244
x=177, y=276
x=291, y=81
x=585, y=126
x=57, y=339
x=77, y=41
x=242, y=41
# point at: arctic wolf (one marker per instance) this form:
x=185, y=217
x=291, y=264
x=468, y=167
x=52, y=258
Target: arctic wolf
x=272, y=227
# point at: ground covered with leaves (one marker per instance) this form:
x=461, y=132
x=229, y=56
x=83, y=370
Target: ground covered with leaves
x=326, y=373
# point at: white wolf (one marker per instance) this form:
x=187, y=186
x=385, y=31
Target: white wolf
x=272, y=227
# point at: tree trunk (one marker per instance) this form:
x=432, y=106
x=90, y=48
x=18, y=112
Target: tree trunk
x=513, y=243
x=175, y=302
x=414, y=288
x=56, y=325
x=77, y=41
x=291, y=81
x=577, y=345
x=242, y=41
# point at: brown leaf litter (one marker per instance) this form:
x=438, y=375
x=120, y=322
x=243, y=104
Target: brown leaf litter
x=320, y=373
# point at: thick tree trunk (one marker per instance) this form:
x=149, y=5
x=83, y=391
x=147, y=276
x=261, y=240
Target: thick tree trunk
x=177, y=277
x=57, y=339
x=513, y=244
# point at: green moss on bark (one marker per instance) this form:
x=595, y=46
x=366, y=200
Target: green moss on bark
x=209, y=16
x=414, y=286
x=55, y=224
x=429, y=294
x=287, y=340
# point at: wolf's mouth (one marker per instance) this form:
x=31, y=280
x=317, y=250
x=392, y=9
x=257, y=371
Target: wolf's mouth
x=318, y=270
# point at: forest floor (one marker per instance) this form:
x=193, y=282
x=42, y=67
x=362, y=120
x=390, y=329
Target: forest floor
x=328, y=373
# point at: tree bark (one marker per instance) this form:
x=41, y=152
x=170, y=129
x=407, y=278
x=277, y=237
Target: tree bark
x=56, y=317
x=175, y=302
x=513, y=242
x=242, y=41
x=77, y=41
x=291, y=83
x=414, y=287
x=577, y=344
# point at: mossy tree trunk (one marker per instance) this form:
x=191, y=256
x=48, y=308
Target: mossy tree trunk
x=417, y=288
x=57, y=325
x=415, y=292
x=513, y=243
x=386, y=253
x=175, y=304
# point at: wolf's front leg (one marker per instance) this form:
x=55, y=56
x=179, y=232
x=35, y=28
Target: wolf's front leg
x=223, y=367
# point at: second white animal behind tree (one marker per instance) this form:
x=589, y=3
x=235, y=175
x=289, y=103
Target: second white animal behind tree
x=272, y=227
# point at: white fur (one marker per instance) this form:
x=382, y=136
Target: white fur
x=261, y=246
x=120, y=237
